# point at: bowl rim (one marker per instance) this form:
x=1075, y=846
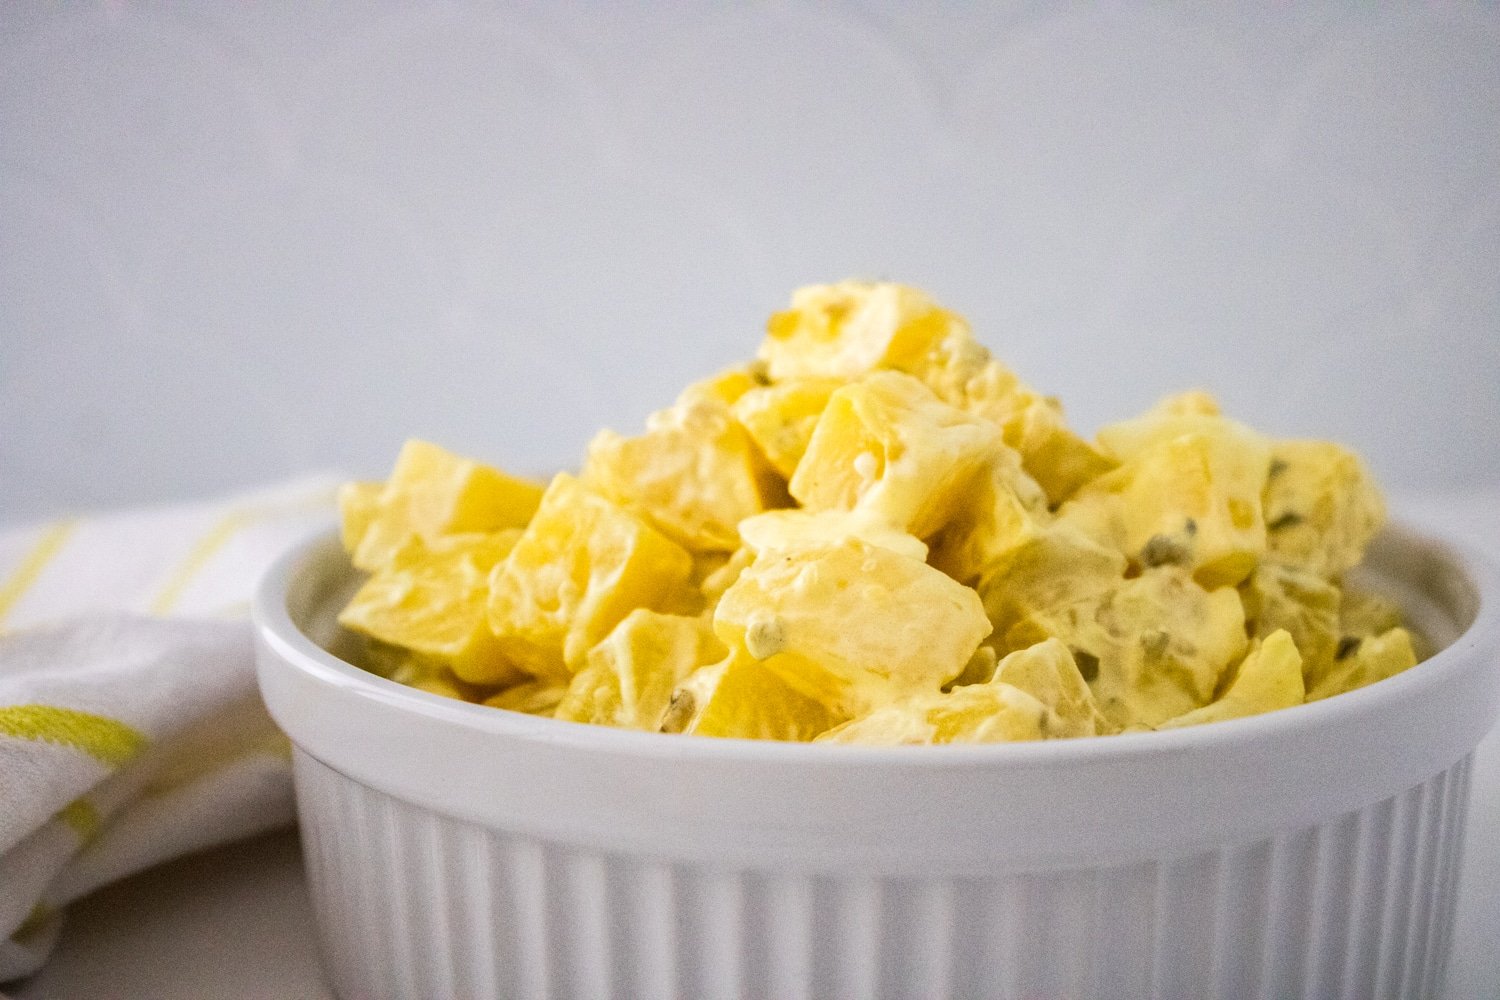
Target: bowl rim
x=912, y=810
x=274, y=625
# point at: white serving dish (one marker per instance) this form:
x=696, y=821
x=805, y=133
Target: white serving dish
x=456, y=850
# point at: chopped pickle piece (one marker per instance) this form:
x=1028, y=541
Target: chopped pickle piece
x=1270, y=677
x=582, y=565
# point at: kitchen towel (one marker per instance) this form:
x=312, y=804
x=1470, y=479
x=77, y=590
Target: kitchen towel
x=131, y=730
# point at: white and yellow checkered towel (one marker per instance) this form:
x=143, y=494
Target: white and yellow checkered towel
x=130, y=726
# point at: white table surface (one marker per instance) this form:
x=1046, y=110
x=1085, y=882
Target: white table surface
x=236, y=922
x=230, y=924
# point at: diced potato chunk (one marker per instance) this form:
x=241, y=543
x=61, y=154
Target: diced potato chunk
x=978, y=713
x=799, y=529
x=1322, y=506
x=739, y=698
x=888, y=447
x=417, y=670
x=359, y=503
x=1192, y=412
x=629, y=677
x=994, y=712
x=1360, y=662
x=726, y=387
x=1003, y=504
x=1097, y=515
x=441, y=685
x=979, y=669
x=1046, y=567
x=1305, y=605
x=853, y=623
x=854, y=327
x=694, y=475
x=430, y=599
x=531, y=697
x=850, y=329
x=1364, y=613
x=781, y=417
x=1034, y=426
x=713, y=584
x=433, y=492
x=1193, y=402
x=1152, y=648
x=581, y=566
x=1048, y=672
x=1194, y=499
x=1270, y=677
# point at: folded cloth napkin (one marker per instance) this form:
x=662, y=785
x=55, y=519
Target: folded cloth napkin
x=130, y=726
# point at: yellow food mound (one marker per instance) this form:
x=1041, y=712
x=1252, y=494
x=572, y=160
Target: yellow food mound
x=876, y=533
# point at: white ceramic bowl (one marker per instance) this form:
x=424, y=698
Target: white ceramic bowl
x=456, y=850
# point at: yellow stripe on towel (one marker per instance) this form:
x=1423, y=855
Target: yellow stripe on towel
x=107, y=740
x=35, y=921
x=216, y=538
x=85, y=820
x=220, y=535
x=31, y=566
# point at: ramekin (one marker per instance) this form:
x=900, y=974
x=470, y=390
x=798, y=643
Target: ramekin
x=455, y=850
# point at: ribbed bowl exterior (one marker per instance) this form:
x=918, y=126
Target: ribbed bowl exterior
x=414, y=904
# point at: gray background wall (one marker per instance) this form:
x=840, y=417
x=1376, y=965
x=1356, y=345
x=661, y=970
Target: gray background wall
x=238, y=241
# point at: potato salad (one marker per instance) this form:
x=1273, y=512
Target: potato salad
x=876, y=533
